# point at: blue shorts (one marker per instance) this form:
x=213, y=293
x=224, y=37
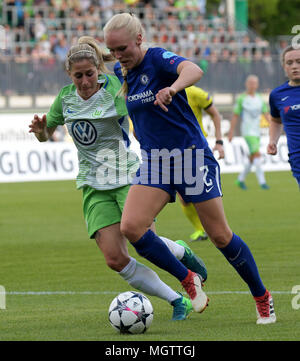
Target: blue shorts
x=193, y=173
x=294, y=160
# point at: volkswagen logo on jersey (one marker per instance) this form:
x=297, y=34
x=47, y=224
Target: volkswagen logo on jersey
x=84, y=132
x=144, y=79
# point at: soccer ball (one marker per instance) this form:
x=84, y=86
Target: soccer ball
x=130, y=312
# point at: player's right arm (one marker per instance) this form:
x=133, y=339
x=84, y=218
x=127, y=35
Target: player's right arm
x=237, y=110
x=39, y=127
x=233, y=123
x=275, y=127
x=275, y=130
x=44, y=127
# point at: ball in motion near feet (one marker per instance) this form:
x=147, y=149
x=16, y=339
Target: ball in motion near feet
x=130, y=312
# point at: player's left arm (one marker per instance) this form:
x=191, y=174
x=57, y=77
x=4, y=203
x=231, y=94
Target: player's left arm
x=188, y=74
x=213, y=112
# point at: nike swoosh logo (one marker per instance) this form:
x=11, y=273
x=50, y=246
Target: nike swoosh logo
x=234, y=258
x=285, y=98
x=209, y=189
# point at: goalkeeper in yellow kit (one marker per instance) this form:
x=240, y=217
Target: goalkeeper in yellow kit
x=200, y=100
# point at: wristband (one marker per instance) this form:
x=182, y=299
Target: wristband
x=220, y=141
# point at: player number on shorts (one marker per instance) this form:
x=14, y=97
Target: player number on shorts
x=204, y=168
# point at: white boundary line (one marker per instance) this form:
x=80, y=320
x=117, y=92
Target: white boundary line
x=46, y=293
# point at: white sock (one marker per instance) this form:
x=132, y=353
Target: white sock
x=146, y=280
x=176, y=249
x=247, y=167
x=260, y=175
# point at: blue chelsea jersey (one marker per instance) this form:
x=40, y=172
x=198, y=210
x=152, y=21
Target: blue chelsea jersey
x=285, y=104
x=156, y=129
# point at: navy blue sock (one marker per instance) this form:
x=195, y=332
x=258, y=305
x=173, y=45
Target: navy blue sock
x=151, y=247
x=240, y=257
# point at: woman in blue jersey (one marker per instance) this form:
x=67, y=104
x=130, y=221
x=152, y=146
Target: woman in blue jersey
x=97, y=121
x=285, y=110
x=175, y=158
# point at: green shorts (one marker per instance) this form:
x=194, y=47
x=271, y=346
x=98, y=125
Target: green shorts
x=253, y=143
x=103, y=208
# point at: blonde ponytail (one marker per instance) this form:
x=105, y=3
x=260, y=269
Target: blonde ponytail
x=124, y=88
x=88, y=48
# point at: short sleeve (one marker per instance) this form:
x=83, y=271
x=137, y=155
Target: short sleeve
x=55, y=114
x=204, y=99
x=118, y=72
x=274, y=111
x=166, y=61
x=238, y=107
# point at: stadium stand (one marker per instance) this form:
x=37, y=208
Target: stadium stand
x=38, y=34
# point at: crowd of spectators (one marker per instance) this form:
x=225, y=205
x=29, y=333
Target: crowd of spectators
x=38, y=34
x=45, y=29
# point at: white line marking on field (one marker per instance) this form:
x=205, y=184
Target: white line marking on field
x=46, y=293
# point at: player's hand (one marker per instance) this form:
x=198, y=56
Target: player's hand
x=164, y=97
x=272, y=148
x=220, y=149
x=38, y=124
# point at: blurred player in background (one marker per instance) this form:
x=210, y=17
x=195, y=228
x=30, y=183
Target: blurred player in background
x=200, y=100
x=249, y=107
x=96, y=119
x=285, y=110
x=154, y=82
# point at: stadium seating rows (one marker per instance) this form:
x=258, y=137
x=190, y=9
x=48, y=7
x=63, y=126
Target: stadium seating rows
x=46, y=28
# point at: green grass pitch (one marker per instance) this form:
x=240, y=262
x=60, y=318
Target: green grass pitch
x=59, y=288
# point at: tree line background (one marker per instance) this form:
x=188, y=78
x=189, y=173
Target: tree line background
x=268, y=18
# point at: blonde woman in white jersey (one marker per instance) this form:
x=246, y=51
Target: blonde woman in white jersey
x=96, y=119
x=249, y=108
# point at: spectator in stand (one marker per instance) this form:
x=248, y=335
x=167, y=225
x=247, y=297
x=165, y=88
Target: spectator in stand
x=233, y=57
x=201, y=32
x=41, y=50
x=61, y=49
x=52, y=22
x=106, y=9
x=201, y=6
x=225, y=55
x=85, y=5
x=39, y=27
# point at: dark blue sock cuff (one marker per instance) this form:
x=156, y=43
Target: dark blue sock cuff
x=151, y=247
x=233, y=247
x=146, y=242
x=240, y=257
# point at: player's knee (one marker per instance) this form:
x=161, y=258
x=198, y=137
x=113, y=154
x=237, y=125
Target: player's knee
x=116, y=262
x=132, y=229
x=127, y=228
x=221, y=240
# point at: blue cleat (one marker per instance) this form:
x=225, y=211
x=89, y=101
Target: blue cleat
x=182, y=308
x=240, y=184
x=193, y=262
x=264, y=186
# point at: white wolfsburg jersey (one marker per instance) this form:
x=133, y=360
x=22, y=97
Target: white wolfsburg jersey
x=99, y=128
